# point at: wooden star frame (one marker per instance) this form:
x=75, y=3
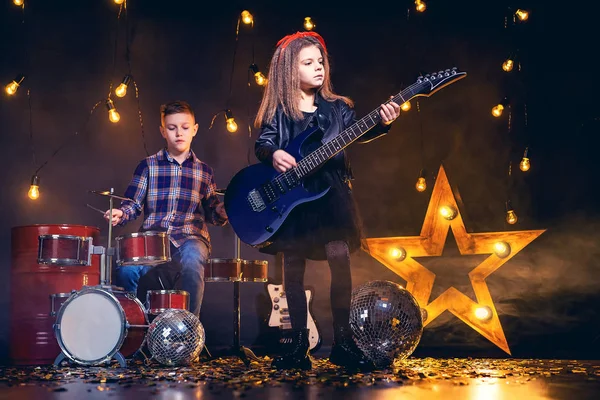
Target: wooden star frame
x=398, y=254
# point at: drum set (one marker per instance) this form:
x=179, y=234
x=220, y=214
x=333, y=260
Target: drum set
x=99, y=323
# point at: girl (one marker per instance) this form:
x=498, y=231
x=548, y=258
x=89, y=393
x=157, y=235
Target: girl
x=299, y=95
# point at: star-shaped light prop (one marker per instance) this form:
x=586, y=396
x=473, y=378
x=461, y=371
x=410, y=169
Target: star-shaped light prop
x=398, y=254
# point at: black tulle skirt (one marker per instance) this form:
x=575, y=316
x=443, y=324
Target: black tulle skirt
x=311, y=225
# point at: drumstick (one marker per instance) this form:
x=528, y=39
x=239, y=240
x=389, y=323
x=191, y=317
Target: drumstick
x=94, y=208
x=161, y=284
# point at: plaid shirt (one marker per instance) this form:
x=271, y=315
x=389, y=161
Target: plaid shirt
x=176, y=198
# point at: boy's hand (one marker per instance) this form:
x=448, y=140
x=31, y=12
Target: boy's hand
x=282, y=161
x=117, y=215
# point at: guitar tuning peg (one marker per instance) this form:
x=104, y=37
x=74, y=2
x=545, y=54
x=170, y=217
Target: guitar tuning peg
x=447, y=70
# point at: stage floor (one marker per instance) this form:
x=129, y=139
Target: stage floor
x=229, y=378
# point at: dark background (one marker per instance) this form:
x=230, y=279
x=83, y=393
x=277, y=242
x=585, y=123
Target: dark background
x=546, y=296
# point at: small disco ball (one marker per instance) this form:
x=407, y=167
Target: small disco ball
x=175, y=337
x=386, y=322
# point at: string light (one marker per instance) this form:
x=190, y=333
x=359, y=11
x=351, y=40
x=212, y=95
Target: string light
x=259, y=77
x=119, y=2
x=522, y=15
x=309, y=25
x=421, y=184
x=405, y=106
x=113, y=114
x=524, y=165
x=12, y=87
x=231, y=124
x=508, y=65
x=34, y=189
x=511, y=216
x=18, y=2
x=420, y=5
x=121, y=90
x=499, y=108
x=247, y=18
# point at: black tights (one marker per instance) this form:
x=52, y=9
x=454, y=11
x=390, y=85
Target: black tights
x=338, y=257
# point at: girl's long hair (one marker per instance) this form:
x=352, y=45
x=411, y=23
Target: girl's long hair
x=283, y=87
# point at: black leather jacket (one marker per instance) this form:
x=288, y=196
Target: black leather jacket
x=333, y=118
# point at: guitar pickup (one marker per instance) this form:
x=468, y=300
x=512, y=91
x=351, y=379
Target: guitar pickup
x=256, y=201
x=284, y=319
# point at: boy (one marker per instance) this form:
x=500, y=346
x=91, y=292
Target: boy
x=176, y=191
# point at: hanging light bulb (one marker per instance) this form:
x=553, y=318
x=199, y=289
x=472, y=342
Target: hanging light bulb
x=523, y=15
x=502, y=249
x=34, y=189
x=12, y=87
x=405, y=106
x=119, y=2
x=511, y=216
x=259, y=77
x=113, y=115
x=247, y=17
x=420, y=5
x=309, y=25
x=524, y=165
x=483, y=313
x=421, y=184
x=121, y=90
x=497, y=109
x=448, y=212
x=18, y=2
x=508, y=65
x=231, y=125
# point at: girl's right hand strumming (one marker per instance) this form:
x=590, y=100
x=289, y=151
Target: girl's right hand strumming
x=282, y=161
x=117, y=215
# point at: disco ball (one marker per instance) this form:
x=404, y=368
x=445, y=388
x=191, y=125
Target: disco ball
x=175, y=337
x=386, y=322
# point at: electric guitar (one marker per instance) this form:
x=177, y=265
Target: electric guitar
x=280, y=316
x=259, y=198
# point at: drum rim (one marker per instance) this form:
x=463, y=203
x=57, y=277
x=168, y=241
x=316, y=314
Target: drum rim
x=257, y=262
x=61, y=236
x=142, y=234
x=255, y=280
x=223, y=260
x=61, y=311
x=142, y=260
x=164, y=291
x=60, y=295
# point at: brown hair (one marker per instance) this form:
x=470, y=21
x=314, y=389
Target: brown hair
x=283, y=87
x=175, y=107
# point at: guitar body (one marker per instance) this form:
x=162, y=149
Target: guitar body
x=280, y=316
x=254, y=226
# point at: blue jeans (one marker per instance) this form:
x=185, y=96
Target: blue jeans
x=127, y=277
x=192, y=255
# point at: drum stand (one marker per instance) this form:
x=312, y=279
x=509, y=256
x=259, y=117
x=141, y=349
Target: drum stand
x=106, y=255
x=244, y=353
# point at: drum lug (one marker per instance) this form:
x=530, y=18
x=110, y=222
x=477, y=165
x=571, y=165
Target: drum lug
x=130, y=295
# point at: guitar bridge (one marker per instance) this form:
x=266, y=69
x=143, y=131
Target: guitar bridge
x=256, y=201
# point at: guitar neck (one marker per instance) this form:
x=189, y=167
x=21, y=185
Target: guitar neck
x=319, y=156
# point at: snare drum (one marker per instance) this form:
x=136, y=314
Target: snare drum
x=64, y=250
x=222, y=270
x=161, y=300
x=95, y=323
x=143, y=248
x=255, y=270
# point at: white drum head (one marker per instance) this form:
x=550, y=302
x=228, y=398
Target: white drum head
x=91, y=326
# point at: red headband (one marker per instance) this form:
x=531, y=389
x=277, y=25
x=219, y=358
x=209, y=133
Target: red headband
x=286, y=40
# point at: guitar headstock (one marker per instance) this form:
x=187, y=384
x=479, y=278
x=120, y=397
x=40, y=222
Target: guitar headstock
x=431, y=83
